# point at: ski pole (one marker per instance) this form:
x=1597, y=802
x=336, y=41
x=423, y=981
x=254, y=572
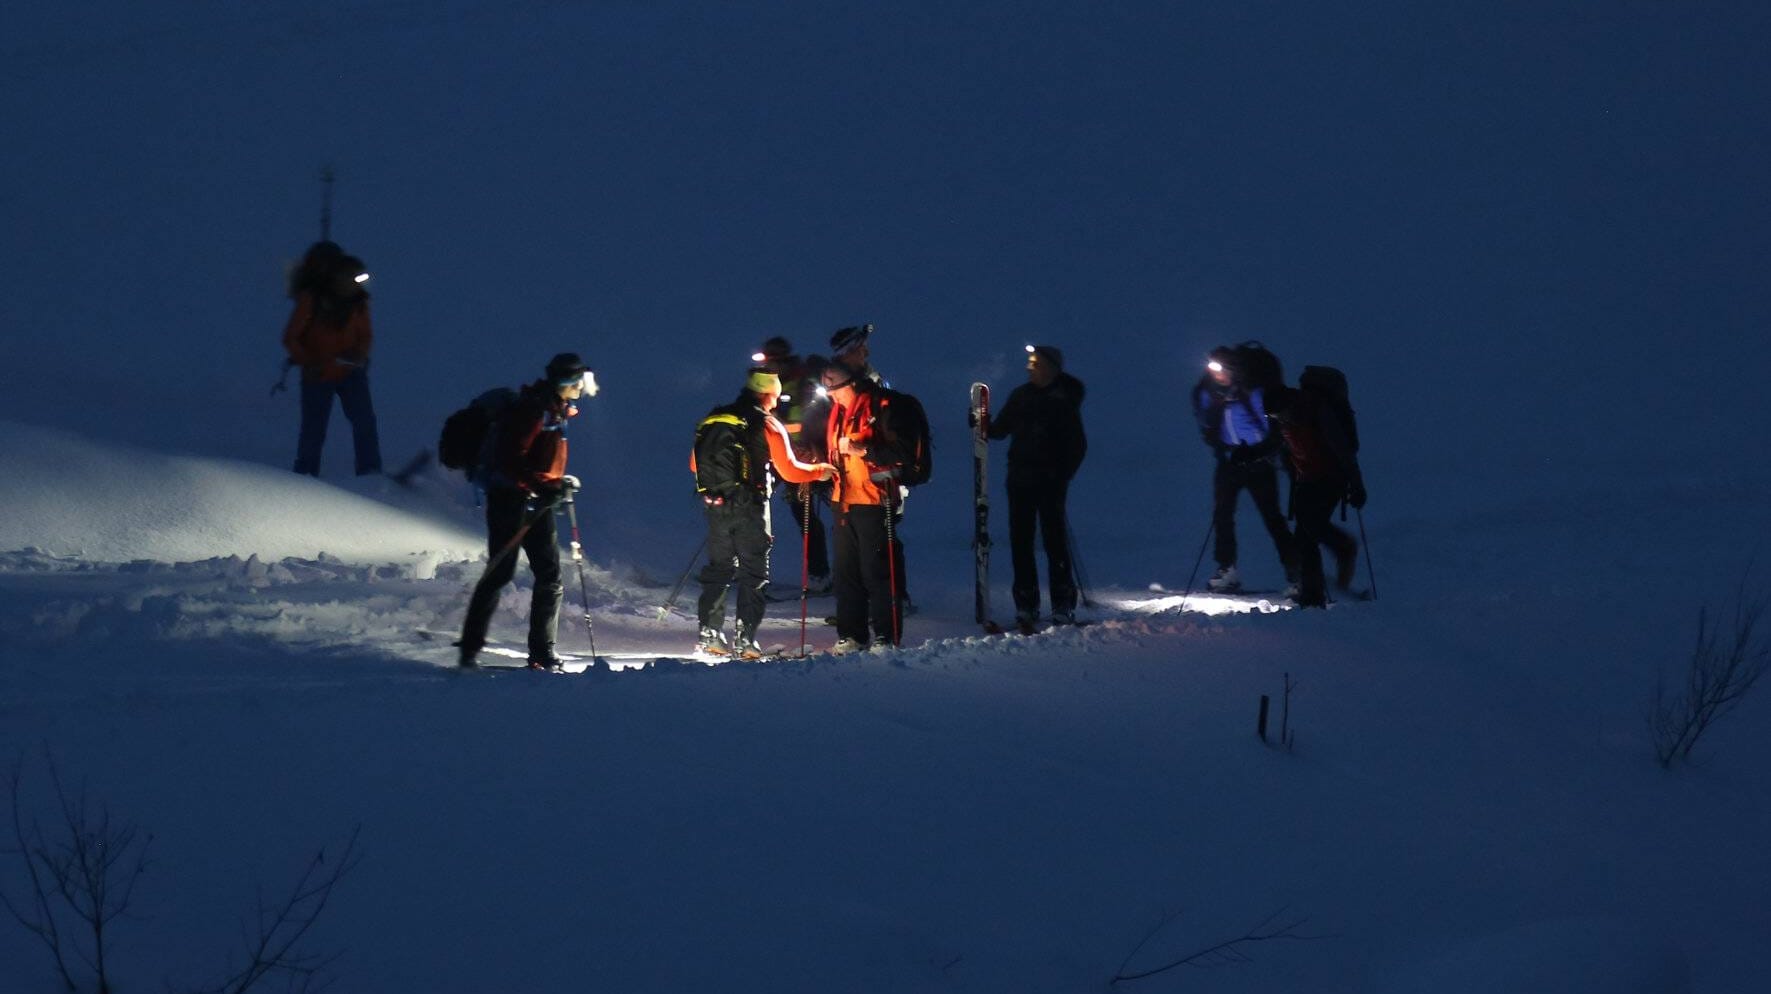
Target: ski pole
x=1079, y=574
x=892, y=559
x=326, y=178
x=805, y=560
x=1369, y=570
x=1209, y=528
x=678, y=589
x=578, y=559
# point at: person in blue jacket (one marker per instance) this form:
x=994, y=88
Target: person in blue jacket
x=1232, y=417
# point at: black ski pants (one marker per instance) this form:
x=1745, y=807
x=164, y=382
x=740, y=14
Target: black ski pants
x=510, y=524
x=816, y=550
x=738, y=543
x=1261, y=480
x=1313, y=503
x=862, y=577
x=1040, y=505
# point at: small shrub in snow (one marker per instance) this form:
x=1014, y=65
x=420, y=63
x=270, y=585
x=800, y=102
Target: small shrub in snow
x=79, y=877
x=1724, y=664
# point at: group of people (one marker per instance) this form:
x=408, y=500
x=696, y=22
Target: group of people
x=834, y=432
x=1254, y=423
x=830, y=431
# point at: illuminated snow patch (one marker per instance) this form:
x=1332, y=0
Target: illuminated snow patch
x=1205, y=603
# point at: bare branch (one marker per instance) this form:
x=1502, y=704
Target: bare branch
x=39, y=920
x=1228, y=952
x=1721, y=670
x=271, y=946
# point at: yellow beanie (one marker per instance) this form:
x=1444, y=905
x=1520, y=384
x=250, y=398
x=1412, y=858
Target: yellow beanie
x=763, y=381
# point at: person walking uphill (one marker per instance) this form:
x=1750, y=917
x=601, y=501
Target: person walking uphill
x=735, y=447
x=1325, y=465
x=526, y=480
x=328, y=335
x=1229, y=403
x=1044, y=418
x=873, y=436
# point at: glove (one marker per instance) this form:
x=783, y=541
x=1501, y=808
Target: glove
x=1356, y=496
x=570, y=482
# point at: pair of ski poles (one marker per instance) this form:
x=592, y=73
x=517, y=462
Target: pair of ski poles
x=568, y=498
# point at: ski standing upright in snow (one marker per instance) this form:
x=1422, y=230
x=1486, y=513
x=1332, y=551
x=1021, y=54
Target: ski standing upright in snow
x=980, y=422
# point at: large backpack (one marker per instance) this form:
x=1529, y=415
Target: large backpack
x=1257, y=367
x=908, y=425
x=1328, y=386
x=466, y=440
x=727, y=459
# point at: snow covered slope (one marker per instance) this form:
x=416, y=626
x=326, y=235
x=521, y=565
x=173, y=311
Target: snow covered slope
x=67, y=495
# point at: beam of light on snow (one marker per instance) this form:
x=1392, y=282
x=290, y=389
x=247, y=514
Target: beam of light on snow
x=1202, y=603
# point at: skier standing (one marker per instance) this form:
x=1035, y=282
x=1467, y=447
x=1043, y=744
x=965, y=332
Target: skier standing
x=869, y=451
x=1044, y=416
x=526, y=481
x=328, y=335
x=1232, y=415
x=803, y=414
x=735, y=448
x=850, y=346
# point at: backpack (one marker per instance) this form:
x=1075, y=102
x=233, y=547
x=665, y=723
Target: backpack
x=908, y=425
x=467, y=434
x=1329, y=386
x=1257, y=367
x=726, y=460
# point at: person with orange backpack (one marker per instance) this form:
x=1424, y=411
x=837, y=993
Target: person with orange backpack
x=328, y=336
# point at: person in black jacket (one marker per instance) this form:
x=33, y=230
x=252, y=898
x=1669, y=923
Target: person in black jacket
x=1044, y=416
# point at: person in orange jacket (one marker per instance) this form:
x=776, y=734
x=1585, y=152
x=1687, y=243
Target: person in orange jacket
x=328, y=335
x=525, y=484
x=735, y=445
x=869, y=453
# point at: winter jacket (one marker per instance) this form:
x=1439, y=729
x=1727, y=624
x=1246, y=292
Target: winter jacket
x=1233, y=421
x=867, y=424
x=325, y=346
x=1046, y=422
x=529, y=452
x=765, y=443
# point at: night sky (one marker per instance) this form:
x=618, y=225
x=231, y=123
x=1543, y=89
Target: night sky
x=1534, y=235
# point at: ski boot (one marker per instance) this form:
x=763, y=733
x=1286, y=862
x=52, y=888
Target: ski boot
x=713, y=642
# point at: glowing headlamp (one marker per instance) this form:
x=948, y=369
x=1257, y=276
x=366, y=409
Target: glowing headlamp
x=589, y=384
x=1215, y=366
x=758, y=357
x=1029, y=350
x=362, y=277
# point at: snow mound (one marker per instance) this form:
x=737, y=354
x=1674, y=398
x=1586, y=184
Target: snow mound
x=66, y=495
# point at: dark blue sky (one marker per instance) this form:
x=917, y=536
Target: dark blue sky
x=1534, y=235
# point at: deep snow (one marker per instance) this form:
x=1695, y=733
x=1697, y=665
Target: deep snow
x=1470, y=806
